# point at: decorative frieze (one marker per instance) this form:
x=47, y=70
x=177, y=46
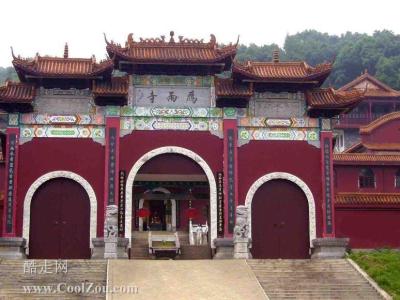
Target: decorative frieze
x=78, y=119
x=171, y=112
x=274, y=122
x=41, y=131
x=285, y=134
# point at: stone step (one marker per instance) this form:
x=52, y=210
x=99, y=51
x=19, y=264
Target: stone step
x=14, y=277
x=311, y=279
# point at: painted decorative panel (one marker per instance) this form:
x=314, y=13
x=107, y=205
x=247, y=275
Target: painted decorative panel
x=46, y=119
x=273, y=122
x=62, y=131
x=154, y=123
x=277, y=105
x=158, y=111
x=279, y=134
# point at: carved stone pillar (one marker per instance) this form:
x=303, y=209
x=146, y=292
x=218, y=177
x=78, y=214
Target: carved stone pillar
x=241, y=239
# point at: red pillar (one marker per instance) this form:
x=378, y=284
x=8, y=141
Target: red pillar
x=230, y=175
x=327, y=184
x=111, y=177
x=11, y=172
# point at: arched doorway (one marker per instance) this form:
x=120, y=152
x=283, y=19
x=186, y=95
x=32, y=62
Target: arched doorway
x=197, y=162
x=60, y=221
x=280, y=224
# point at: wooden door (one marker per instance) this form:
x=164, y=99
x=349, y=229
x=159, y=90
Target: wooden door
x=280, y=226
x=60, y=221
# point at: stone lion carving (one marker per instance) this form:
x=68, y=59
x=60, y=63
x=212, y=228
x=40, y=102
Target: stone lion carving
x=111, y=222
x=241, y=229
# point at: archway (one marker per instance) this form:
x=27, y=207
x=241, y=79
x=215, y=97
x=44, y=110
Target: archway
x=86, y=191
x=283, y=204
x=187, y=153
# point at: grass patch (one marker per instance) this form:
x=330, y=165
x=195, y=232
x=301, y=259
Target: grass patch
x=383, y=266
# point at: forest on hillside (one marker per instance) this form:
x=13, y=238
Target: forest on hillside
x=352, y=53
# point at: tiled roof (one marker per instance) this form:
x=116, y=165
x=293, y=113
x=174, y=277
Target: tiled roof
x=379, y=122
x=183, y=51
x=61, y=67
x=117, y=86
x=366, y=157
x=330, y=98
x=362, y=147
x=373, y=87
x=367, y=199
x=15, y=92
x=283, y=71
x=227, y=88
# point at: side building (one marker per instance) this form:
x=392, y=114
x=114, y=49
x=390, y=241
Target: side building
x=367, y=185
x=379, y=99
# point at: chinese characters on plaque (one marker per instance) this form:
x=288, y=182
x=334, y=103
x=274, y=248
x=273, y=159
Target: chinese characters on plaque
x=231, y=180
x=328, y=185
x=112, y=148
x=121, y=203
x=220, y=203
x=10, y=181
x=174, y=96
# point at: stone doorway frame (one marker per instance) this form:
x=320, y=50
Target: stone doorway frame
x=53, y=175
x=177, y=150
x=294, y=179
x=173, y=208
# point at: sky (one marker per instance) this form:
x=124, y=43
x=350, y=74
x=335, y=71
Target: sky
x=44, y=26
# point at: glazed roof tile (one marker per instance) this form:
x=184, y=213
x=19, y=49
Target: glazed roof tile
x=227, y=88
x=183, y=51
x=117, y=86
x=330, y=98
x=283, y=71
x=379, y=122
x=366, y=157
x=367, y=199
x=61, y=67
x=16, y=92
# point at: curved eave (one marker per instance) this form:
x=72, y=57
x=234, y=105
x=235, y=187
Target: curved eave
x=367, y=129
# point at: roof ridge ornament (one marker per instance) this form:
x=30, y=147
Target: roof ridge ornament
x=171, y=39
x=275, y=55
x=66, y=50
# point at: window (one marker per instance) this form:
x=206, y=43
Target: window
x=397, y=179
x=366, y=178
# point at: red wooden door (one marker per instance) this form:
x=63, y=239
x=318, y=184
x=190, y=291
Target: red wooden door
x=60, y=221
x=280, y=221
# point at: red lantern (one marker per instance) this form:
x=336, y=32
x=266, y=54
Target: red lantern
x=143, y=213
x=191, y=213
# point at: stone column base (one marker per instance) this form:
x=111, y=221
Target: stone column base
x=329, y=248
x=241, y=249
x=224, y=248
x=12, y=248
x=98, y=251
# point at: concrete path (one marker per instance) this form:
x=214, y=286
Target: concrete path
x=186, y=279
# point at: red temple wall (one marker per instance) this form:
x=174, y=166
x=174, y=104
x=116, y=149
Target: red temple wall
x=369, y=228
x=206, y=145
x=299, y=158
x=386, y=133
x=42, y=155
x=347, y=179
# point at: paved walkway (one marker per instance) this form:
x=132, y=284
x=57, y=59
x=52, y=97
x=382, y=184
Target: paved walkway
x=186, y=279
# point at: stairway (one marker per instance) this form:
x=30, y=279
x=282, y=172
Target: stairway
x=311, y=279
x=16, y=274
